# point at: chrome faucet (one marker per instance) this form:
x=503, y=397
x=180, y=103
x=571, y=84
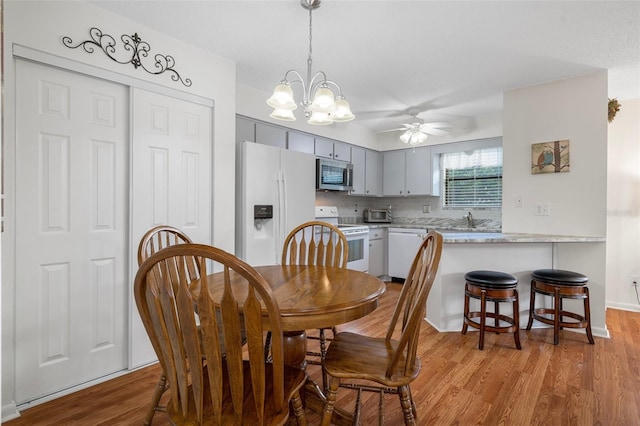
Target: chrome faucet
x=469, y=218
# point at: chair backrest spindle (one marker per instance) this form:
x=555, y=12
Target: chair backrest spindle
x=192, y=352
x=412, y=302
x=316, y=243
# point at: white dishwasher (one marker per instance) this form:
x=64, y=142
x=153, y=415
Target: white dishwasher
x=403, y=246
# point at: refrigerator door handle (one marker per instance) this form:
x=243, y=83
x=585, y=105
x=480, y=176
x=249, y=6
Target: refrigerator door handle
x=280, y=220
x=285, y=207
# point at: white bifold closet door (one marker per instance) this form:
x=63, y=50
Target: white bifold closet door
x=171, y=180
x=72, y=244
x=97, y=165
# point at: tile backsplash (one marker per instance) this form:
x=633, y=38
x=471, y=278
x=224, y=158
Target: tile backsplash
x=403, y=209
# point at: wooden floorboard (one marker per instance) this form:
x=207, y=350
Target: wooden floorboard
x=573, y=383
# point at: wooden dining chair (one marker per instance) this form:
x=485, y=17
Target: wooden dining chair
x=390, y=362
x=316, y=243
x=213, y=379
x=155, y=239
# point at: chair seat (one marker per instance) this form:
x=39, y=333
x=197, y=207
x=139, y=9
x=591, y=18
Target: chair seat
x=491, y=279
x=560, y=277
x=355, y=356
x=294, y=380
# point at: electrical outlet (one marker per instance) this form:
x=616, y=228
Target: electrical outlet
x=542, y=209
x=426, y=208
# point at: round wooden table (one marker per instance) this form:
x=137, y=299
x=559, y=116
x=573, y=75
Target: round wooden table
x=312, y=297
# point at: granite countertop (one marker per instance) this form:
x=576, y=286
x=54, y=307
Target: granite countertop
x=499, y=237
x=484, y=231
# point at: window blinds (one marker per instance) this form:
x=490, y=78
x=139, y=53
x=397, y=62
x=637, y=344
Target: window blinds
x=473, y=178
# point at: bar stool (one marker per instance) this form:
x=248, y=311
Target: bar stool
x=560, y=285
x=497, y=287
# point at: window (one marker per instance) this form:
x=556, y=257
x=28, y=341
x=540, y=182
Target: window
x=473, y=178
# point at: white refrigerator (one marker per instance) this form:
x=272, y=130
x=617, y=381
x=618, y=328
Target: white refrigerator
x=275, y=192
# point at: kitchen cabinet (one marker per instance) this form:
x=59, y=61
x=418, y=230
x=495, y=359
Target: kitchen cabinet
x=245, y=129
x=403, y=246
x=377, y=248
x=300, y=142
x=373, y=173
x=366, y=171
x=407, y=172
x=358, y=159
x=334, y=150
x=271, y=135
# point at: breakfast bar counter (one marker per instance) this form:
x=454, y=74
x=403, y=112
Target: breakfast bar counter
x=499, y=237
x=518, y=254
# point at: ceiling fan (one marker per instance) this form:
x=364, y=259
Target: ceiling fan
x=416, y=131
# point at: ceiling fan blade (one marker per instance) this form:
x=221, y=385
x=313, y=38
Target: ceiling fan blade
x=391, y=130
x=436, y=132
x=439, y=125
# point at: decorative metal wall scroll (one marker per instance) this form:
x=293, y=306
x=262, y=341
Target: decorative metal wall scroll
x=135, y=49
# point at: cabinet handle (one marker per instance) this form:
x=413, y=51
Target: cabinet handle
x=408, y=192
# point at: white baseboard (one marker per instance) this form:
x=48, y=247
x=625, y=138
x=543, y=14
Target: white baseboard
x=633, y=307
x=9, y=412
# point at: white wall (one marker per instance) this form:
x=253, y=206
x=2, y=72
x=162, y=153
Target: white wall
x=623, y=207
x=574, y=109
x=40, y=26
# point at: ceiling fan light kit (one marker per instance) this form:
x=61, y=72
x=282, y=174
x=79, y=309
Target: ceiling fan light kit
x=413, y=136
x=321, y=105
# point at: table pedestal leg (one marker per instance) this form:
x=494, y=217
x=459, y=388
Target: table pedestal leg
x=295, y=353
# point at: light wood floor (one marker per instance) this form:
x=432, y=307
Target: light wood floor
x=573, y=383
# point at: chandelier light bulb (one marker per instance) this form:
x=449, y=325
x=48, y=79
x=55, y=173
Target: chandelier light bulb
x=283, y=114
x=343, y=111
x=282, y=98
x=323, y=101
x=320, y=119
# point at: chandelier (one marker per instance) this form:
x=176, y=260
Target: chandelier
x=321, y=105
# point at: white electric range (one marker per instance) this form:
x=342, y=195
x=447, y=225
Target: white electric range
x=357, y=237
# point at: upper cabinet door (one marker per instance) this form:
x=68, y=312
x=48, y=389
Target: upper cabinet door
x=335, y=150
x=407, y=172
x=342, y=151
x=373, y=172
x=300, y=142
x=324, y=148
x=271, y=135
x=418, y=171
x=393, y=173
x=358, y=160
x=245, y=129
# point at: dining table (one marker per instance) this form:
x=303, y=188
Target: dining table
x=311, y=297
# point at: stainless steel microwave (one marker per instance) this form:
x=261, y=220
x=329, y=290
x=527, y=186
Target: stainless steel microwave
x=334, y=175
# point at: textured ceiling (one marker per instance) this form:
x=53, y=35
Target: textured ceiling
x=448, y=60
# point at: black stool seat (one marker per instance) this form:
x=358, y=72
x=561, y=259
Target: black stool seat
x=558, y=276
x=491, y=279
x=496, y=287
